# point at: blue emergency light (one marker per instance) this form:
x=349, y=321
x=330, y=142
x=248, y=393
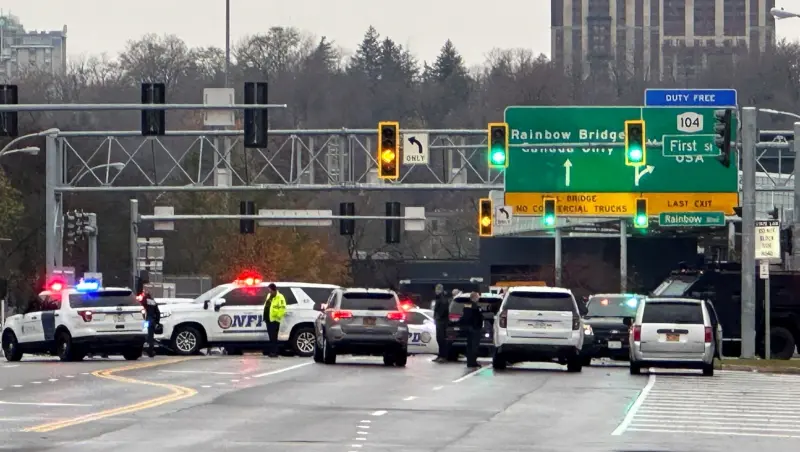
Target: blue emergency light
x=87, y=285
x=632, y=302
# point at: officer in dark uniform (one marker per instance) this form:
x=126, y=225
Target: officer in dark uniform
x=472, y=322
x=153, y=319
x=441, y=316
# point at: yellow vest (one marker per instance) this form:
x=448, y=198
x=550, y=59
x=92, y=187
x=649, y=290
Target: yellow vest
x=277, y=307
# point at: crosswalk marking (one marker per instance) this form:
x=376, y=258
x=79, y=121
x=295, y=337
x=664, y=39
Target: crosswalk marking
x=732, y=403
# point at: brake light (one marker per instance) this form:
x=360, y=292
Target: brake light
x=637, y=333
x=576, y=322
x=85, y=315
x=144, y=314
x=504, y=319
x=339, y=315
x=709, y=335
x=140, y=298
x=455, y=317
x=396, y=316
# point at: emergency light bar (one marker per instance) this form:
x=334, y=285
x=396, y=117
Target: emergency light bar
x=87, y=285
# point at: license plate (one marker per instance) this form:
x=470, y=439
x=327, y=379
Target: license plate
x=119, y=318
x=673, y=337
x=614, y=345
x=369, y=321
x=541, y=325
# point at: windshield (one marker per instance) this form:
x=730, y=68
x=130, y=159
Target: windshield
x=673, y=312
x=540, y=301
x=674, y=287
x=103, y=299
x=612, y=306
x=213, y=293
x=487, y=304
x=360, y=301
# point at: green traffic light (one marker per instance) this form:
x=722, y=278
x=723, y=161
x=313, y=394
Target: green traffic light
x=549, y=220
x=641, y=220
x=635, y=154
x=498, y=157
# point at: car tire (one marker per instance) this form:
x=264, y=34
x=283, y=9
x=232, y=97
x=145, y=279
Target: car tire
x=64, y=348
x=708, y=370
x=782, y=335
x=575, y=364
x=186, y=341
x=328, y=353
x=388, y=359
x=587, y=361
x=11, y=348
x=303, y=341
x=133, y=353
x=230, y=351
x=317, y=353
x=498, y=362
x=401, y=359
x=636, y=368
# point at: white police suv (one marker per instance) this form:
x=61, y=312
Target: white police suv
x=70, y=322
x=231, y=316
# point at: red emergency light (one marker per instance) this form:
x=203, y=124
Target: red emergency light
x=56, y=285
x=248, y=279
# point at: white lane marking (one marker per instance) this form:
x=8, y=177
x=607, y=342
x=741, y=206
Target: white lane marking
x=205, y=386
x=362, y=433
x=379, y=412
x=361, y=439
x=711, y=432
x=53, y=379
x=221, y=384
x=198, y=372
x=469, y=375
x=17, y=386
x=635, y=407
x=364, y=426
x=436, y=388
x=409, y=398
x=285, y=369
x=246, y=378
x=234, y=381
x=42, y=404
x=10, y=366
x=70, y=376
x=365, y=421
x=84, y=373
x=356, y=445
x=36, y=382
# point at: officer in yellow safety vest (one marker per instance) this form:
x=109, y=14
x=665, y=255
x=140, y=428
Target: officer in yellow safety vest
x=274, y=311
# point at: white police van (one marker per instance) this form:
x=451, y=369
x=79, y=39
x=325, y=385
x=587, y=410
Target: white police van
x=70, y=322
x=231, y=316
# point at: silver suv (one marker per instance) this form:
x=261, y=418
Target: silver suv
x=362, y=322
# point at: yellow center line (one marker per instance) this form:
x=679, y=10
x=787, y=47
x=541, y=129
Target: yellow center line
x=176, y=393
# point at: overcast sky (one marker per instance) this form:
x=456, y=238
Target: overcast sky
x=475, y=26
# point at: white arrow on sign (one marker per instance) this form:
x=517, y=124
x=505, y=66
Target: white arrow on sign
x=567, y=170
x=639, y=174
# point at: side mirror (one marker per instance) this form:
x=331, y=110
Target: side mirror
x=205, y=304
x=218, y=303
x=627, y=321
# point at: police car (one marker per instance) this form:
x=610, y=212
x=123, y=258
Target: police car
x=421, y=331
x=231, y=316
x=70, y=322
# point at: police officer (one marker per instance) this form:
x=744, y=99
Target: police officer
x=472, y=322
x=441, y=317
x=274, y=311
x=153, y=315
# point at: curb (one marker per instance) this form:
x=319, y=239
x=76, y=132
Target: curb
x=766, y=370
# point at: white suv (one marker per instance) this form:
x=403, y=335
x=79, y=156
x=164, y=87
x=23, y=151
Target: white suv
x=540, y=324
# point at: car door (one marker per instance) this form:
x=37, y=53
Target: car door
x=50, y=309
x=241, y=318
x=717, y=326
x=296, y=304
x=31, y=326
x=419, y=334
x=673, y=327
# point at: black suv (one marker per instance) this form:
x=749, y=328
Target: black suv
x=457, y=336
x=606, y=334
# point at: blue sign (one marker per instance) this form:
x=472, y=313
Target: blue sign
x=690, y=98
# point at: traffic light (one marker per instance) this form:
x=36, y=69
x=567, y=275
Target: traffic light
x=498, y=145
x=641, y=219
x=549, y=212
x=153, y=121
x=247, y=226
x=393, y=226
x=256, y=121
x=485, y=220
x=722, y=135
x=9, y=125
x=388, y=150
x=635, y=147
x=347, y=226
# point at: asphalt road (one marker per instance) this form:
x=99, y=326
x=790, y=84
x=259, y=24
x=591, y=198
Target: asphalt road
x=252, y=403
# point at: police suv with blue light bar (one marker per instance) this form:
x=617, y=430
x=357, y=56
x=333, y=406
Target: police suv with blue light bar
x=232, y=316
x=70, y=322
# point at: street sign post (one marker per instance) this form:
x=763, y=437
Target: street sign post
x=503, y=216
x=691, y=219
x=768, y=239
x=575, y=155
x=415, y=149
x=690, y=98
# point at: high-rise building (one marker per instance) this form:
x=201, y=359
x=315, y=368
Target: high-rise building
x=657, y=39
x=22, y=50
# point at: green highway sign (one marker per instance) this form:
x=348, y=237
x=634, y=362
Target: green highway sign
x=684, y=165
x=686, y=219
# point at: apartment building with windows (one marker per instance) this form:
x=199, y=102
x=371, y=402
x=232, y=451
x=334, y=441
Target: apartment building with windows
x=22, y=50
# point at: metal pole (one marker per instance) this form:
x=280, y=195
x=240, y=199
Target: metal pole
x=795, y=263
x=227, y=39
x=767, y=320
x=93, y=243
x=51, y=174
x=748, y=320
x=134, y=245
x=623, y=256
x=558, y=269
x=731, y=241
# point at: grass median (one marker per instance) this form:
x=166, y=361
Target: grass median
x=787, y=366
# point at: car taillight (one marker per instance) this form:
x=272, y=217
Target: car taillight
x=85, y=315
x=504, y=319
x=396, y=316
x=455, y=317
x=709, y=335
x=144, y=314
x=339, y=315
x=576, y=322
x=637, y=333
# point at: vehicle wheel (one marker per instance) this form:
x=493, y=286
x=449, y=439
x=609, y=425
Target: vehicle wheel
x=317, y=353
x=64, y=347
x=636, y=369
x=452, y=355
x=708, y=370
x=302, y=341
x=401, y=359
x=388, y=359
x=328, y=353
x=498, y=362
x=187, y=341
x=575, y=364
x=133, y=353
x=230, y=351
x=586, y=361
x=782, y=344
x=11, y=348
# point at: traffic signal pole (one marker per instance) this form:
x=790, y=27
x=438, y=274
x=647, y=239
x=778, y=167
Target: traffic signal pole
x=623, y=255
x=796, y=213
x=748, y=308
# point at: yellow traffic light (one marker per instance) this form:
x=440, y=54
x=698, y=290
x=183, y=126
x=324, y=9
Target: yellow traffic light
x=635, y=143
x=485, y=220
x=388, y=150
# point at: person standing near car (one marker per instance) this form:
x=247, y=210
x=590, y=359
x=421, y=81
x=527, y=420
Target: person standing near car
x=153, y=314
x=274, y=311
x=472, y=322
x=441, y=316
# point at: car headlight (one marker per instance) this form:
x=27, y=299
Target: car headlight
x=165, y=314
x=587, y=329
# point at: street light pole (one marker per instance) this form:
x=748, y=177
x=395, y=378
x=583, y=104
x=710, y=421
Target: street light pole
x=11, y=143
x=227, y=40
x=116, y=165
